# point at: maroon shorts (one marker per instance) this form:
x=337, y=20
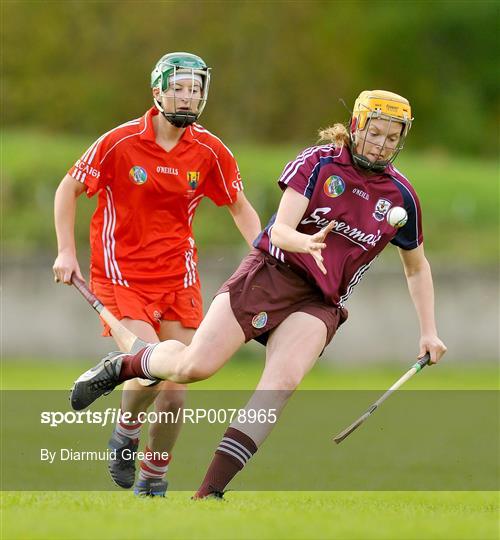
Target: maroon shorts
x=264, y=292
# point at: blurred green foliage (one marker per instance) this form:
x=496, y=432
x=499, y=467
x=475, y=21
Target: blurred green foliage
x=279, y=67
x=72, y=70
x=459, y=196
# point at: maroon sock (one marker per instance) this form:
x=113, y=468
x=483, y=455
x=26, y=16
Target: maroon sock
x=231, y=456
x=137, y=365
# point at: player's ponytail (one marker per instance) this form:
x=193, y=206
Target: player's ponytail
x=336, y=134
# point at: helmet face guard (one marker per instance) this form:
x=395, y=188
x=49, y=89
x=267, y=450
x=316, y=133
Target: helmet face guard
x=181, y=66
x=373, y=105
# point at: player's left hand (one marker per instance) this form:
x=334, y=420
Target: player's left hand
x=434, y=346
x=316, y=243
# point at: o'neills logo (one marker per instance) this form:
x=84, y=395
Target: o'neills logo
x=341, y=227
x=167, y=170
x=82, y=166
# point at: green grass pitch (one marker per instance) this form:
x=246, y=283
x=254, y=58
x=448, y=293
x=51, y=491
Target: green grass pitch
x=273, y=515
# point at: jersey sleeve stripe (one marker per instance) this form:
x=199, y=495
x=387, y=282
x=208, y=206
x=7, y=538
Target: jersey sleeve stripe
x=298, y=161
x=414, y=205
x=123, y=139
x=201, y=129
x=220, y=169
x=89, y=154
x=77, y=172
x=397, y=171
x=293, y=166
x=311, y=182
x=302, y=156
x=313, y=178
x=91, y=151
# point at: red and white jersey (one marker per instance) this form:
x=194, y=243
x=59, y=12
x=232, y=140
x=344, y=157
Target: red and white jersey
x=357, y=202
x=141, y=231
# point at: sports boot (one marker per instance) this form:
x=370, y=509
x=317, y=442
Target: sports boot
x=97, y=381
x=150, y=487
x=122, y=468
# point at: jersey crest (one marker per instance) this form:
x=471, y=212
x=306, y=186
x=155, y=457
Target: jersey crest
x=334, y=186
x=138, y=175
x=381, y=209
x=193, y=177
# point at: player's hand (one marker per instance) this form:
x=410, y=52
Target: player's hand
x=316, y=243
x=64, y=266
x=434, y=346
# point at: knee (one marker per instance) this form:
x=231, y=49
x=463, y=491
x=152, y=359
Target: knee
x=194, y=367
x=193, y=372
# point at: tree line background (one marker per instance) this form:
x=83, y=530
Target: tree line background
x=280, y=68
x=72, y=70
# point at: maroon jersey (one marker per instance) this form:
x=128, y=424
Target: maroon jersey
x=358, y=203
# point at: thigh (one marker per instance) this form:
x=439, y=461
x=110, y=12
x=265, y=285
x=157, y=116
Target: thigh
x=173, y=330
x=176, y=330
x=218, y=337
x=141, y=329
x=215, y=341
x=292, y=350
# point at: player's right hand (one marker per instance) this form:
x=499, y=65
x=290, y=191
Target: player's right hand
x=64, y=266
x=316, y=243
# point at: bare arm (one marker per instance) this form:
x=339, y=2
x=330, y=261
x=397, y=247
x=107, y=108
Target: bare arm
x=246, y=218
x=284, y=232
x=419, y=278
x=64, y=216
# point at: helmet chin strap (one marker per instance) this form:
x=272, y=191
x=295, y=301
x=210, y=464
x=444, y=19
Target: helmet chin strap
x=177, y=119
x=364, y=163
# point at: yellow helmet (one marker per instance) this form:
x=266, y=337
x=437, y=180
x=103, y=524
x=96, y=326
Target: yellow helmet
x=384, y=105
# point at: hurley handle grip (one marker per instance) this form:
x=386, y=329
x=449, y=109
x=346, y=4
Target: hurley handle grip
x=424, y=361
x=86, y=293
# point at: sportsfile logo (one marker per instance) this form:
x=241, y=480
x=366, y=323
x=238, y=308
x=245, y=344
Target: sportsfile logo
x=198, y=415
x=342, y=228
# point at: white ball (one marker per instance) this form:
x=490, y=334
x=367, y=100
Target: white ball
x=397, y=217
